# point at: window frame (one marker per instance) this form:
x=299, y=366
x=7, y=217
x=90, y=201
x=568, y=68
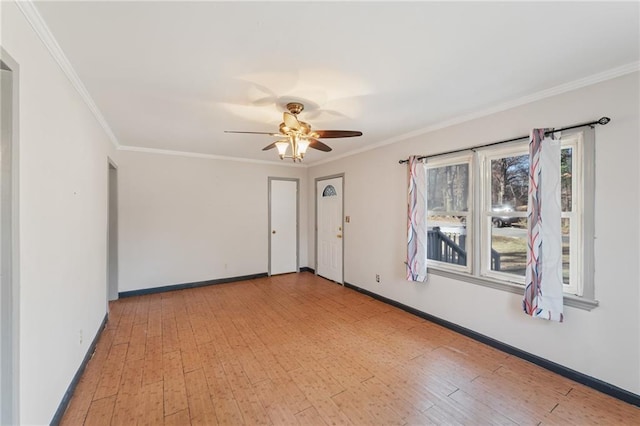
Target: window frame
x=581, y=292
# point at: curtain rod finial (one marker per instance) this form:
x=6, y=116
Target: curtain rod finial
x=604, y=120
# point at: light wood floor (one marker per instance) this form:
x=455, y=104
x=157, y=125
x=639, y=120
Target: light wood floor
x=297, y=349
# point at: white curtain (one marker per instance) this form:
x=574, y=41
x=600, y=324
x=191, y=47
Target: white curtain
x=543, y=297
x=417, y=221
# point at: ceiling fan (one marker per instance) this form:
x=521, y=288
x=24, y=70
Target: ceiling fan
x=298, y=135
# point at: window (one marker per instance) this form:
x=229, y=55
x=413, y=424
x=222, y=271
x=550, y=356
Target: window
x=504, y=210
x=448, y=200
x=329, y=191
x=485, y=212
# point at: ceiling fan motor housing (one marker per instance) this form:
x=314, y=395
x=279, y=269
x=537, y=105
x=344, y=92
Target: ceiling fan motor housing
x=303, y=128
x=295, y=108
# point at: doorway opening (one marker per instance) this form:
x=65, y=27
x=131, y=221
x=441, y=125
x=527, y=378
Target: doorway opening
x=9, y=289
x=112, y=235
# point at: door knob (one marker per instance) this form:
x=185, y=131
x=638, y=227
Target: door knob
x=273, y=232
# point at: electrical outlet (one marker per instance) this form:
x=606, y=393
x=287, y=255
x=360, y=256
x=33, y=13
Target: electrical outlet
x=377, y=278
x=80, y=336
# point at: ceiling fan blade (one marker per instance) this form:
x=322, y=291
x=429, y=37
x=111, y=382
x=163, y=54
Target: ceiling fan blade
x=320, y=146
x=278, y=135
x=291, y=121
x=337, y=133
x=273, y=145
x=253, y=133
x=270, y=146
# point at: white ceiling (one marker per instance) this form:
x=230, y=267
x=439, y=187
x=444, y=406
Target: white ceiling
x=175, y=75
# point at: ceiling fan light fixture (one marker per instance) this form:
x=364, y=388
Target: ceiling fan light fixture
x=303, y=144
x=282, y=148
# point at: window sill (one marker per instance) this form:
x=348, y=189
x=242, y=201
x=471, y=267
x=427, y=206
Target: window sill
x=569, y=299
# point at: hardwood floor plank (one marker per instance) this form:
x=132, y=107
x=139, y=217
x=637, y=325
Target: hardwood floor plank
x=151, y=411
x=129, y=395
x=111, y=372
x=199, y=327
x=123, y=332
x=389, y=397
x=274, y=403
x=153, y=360
x=138, y=342
x=174, y=390
x=582, y=406
x=311, y=374
x=201, y=409
x=181, y=418
x=345, y=371
x=141, y=315
x=225, y=406
x=170, y=341
x=477, y=410
x=154, y=323
x=515, y=407
x=370, y=410
x=409, y=388
x=79, y=404
x=527, y=374
x=310, y=417
x=100, y=412
x=83, y=396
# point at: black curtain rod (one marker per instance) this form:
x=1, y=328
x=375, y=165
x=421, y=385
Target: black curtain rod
x=602, y=121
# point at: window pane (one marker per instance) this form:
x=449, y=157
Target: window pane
x=448, y=188
x=566, y=251
x=329, y=191
x=510, y=182
x=566, y=173
x=447, y=239
x=509, y=249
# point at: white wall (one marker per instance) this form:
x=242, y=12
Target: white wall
x=603, y=343
x=186, y=219
x=63, y=219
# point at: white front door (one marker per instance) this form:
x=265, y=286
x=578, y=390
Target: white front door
x=283, y=226
x=329, y=236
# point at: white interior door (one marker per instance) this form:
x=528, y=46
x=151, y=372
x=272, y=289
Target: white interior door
x=329, y=237
x=283, y=226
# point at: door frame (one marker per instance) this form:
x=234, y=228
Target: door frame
x=297, y=181
x=315, y=200
x=112, y=243
x=10, y=358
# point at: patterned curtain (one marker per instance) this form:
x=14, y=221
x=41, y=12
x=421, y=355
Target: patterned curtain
x=543, y=278
x=417, y=221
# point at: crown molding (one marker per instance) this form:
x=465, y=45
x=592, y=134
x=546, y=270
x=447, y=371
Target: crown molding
x=543, y=94
x=30, y=12
x=208, y=156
